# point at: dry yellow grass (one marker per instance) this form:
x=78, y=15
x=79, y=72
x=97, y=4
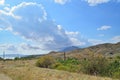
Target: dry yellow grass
x=26, y=70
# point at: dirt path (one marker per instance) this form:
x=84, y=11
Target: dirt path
x=4, y=77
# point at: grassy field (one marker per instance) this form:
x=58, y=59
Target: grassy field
x=26, y=70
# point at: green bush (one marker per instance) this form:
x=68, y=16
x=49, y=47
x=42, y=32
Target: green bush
x=16, y=58
x=114, y=69
x=56, y=65
x=70, y=64
x=45, y=61
x=62, y=67
x=95, y=66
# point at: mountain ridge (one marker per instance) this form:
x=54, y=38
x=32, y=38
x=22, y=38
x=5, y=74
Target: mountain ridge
x=106, y=49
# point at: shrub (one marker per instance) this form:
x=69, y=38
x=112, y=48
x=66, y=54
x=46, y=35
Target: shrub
x=45, y=61
x=16, y=58
x=114, y=69
x=56, y=65
x=70, y=64
x=62, y=67
x=95, y=66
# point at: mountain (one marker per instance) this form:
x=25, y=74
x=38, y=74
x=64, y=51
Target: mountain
x=107, y=49
x=71, y=48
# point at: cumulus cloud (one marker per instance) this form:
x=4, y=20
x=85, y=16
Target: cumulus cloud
x=116, y=39
x=9, y=48
x=22, y=48
x=96, y=2
x=1, y=29
x=2, y=2
x=61, y=1
x=73, y=36
x=30, y=21
x=25, y=46
x=95, y=41
x=103, y=28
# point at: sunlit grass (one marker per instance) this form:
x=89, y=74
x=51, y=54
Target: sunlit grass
x=26, y=70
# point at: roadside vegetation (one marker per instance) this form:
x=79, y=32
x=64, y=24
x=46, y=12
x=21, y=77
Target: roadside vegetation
x=96, y=65
x=27, y=70
x=89, y=67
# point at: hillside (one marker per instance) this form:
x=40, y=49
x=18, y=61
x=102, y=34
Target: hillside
x=26, y=70
x=106, y=49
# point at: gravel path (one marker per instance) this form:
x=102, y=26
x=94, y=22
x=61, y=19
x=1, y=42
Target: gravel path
x=4, y=77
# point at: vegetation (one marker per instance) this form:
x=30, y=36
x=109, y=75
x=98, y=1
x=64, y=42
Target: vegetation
x=26, y=70
x=91, y=64
x=114, y=69
x=97, y=65
x=45, y=62
x=71, y=64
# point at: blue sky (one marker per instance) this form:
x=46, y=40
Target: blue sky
x=40, y=26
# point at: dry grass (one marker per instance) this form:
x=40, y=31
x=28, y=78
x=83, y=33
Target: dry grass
x=26, y=70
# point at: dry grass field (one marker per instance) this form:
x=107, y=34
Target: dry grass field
x=26, y=70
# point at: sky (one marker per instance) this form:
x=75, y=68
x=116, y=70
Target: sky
x=39, y=26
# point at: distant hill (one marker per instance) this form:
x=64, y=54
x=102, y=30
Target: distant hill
x=106, y=49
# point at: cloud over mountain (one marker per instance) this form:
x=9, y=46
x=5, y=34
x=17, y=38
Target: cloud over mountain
x=30, y=21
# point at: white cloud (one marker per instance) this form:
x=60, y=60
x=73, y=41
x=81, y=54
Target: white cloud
x=2, y=2
x=1, y=29
x=96, y=2
x=22, y=48
x=30, y=21
x=95, y=41
x=73, y=36
x=7, y=9
x=104, y=28
x=72, y=33
x=77, y=42
x=61, y=1
x=116, y=39
x=9, y=48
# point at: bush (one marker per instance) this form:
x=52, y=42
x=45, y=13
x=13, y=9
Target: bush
x=62, y=67
x=16, y=58
x=114, y=69
x=95, y=66
x=70, y=64
x=56, y=65
x=45, y=61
